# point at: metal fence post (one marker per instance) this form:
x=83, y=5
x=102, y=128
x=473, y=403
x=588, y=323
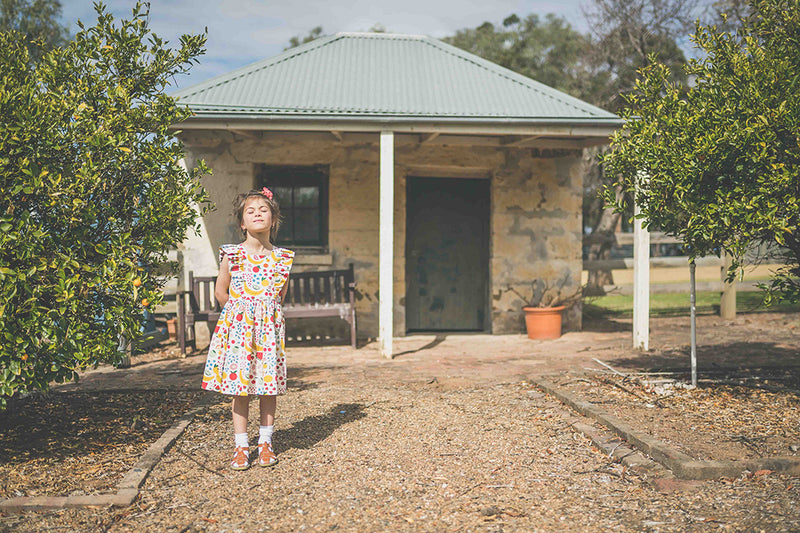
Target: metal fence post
x=693, y=308
x=727, y=301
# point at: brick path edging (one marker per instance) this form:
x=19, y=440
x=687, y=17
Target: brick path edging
x=683, y=466
x=127, y=488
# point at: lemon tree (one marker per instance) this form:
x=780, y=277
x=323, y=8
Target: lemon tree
x=717, y=162
x=91, y=194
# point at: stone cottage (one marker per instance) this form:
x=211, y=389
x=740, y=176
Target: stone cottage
x=445, y=179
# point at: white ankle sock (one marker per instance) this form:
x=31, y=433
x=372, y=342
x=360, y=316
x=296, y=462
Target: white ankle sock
x=241, y=440
x=265, y=434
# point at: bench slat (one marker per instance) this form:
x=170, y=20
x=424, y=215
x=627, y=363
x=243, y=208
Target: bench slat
x=307, y=296
x=207, y=295
x=327, y=291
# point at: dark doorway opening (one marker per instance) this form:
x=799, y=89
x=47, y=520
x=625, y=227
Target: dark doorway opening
x=447, y=254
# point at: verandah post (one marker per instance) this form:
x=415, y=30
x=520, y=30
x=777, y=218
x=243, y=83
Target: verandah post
x=386, y=244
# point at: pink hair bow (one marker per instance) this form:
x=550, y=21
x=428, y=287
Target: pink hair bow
x=266, y=192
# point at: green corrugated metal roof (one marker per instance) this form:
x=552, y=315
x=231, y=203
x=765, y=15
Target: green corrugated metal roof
x=387, y=77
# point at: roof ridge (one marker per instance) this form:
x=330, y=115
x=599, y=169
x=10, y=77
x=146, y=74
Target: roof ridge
x=380, y=34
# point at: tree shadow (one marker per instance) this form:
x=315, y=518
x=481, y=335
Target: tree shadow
x=60, y=425
x=732, y=356
x=313, y=429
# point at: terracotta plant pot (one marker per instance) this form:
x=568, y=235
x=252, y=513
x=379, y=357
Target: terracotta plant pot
x=543, y=322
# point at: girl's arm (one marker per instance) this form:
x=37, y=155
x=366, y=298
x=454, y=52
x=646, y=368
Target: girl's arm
x=284, y=289
x=223, y=282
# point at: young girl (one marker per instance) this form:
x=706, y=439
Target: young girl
x=246, y=354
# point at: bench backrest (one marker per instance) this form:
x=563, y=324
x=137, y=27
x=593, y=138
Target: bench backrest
x=320, y=288
x=305, y=288
x=202, y=299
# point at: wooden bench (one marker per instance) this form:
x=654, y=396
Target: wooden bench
x=327, y=293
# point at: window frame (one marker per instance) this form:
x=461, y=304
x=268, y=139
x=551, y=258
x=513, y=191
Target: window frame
x=271, y=176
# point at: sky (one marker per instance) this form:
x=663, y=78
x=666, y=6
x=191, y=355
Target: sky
x=243, y=31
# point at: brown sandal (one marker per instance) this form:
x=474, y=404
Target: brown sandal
x=241, y=458
x=266, y=457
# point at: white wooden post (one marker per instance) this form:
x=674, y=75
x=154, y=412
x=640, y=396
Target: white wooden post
x=641, y=284
x=386, y=244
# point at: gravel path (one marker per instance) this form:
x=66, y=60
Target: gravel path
x=361, y=450
x=447, y=437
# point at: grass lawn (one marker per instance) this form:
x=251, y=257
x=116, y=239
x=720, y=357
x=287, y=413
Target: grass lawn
x=678, y=304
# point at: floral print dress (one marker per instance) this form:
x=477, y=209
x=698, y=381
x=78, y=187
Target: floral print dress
x=246, y=354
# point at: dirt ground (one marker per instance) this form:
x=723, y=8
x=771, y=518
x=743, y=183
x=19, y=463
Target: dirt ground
x=448, y=436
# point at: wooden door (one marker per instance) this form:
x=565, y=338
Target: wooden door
x=447, y=254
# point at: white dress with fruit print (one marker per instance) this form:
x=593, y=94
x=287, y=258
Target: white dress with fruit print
x=246, y=355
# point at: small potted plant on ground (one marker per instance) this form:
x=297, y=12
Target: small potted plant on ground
x=544, y=309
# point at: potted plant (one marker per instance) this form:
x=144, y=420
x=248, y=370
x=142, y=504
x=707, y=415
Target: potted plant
x=545, y=307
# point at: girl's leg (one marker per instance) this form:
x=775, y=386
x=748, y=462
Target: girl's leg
x=241, y=456
x=267, y=405
x=240, y=409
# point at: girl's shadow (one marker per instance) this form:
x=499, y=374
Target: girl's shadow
x=313, y=429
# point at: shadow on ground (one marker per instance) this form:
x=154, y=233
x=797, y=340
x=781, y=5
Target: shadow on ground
x=722, y=356
x=605, y=324
x=433, y=344
x=313, y=429
x=79, y=424
x=306, y=377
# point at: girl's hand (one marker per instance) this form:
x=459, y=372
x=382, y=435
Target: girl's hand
x=223, y=282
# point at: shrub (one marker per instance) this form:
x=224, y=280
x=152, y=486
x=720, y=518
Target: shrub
x=92, y=194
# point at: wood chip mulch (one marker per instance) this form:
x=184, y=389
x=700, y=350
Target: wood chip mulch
x=362, y=452
x=387, y=447
x=74, y=443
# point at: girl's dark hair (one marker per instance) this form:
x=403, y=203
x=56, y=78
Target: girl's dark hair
x=238, y=210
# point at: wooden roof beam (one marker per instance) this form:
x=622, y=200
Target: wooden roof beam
x=425, y=138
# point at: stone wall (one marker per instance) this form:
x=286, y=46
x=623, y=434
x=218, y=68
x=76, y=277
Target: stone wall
x=535, y=211
x=536, y=231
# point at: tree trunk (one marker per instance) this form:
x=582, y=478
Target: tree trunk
x=603, y=236
x=603, y=221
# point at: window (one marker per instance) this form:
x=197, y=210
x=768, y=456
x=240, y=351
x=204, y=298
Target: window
x=302, y=193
